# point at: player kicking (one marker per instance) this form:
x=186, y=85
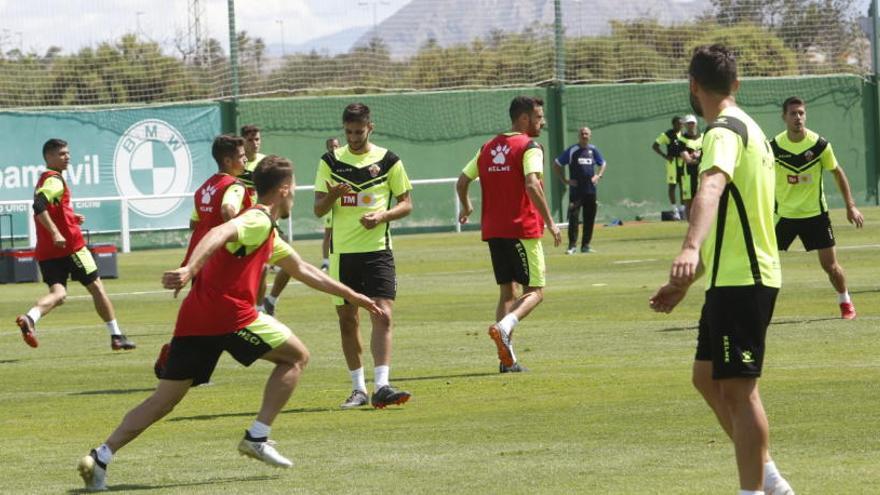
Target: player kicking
x=218, y=315
x=62, y=252
x=510, y=167
x=801, y=157
x=730, y=237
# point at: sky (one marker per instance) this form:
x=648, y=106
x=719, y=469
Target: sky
x=35, y=25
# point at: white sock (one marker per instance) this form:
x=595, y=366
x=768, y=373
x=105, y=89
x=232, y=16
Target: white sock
x=771, y=474
x=35, y=314
x=751, y=492
x=113, y=328
x=259, y=430
x=325, y=262
x=104, y=453
x=260, y=309
x=842, y=297
x=272, y=299
x=358, y=382
x=507, y=323
x=380, y=376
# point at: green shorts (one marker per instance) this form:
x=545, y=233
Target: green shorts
x=328, y=220
x=518, y=260
x=194, y=357
x=671, y=173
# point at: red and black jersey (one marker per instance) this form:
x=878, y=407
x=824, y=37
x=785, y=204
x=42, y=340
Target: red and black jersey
x=64, y=219
x=208, y=201
x=507, y=212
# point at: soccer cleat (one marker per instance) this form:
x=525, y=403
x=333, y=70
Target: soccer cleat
x=571, y=250
x=162, y=361
x=121, y=343
x=268, y=307
x=502, y=342
x=587, y=249
x=781, y=487
x=28, y=330
x=516, y=368
x=263, y=450
x=357, y=398
x=388, y=396
x=847, y=311
x=93, y=472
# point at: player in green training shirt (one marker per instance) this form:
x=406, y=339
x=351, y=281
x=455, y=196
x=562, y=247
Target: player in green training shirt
x=689, y=159
x=358, y=183
x=669, y=139
x=801, y=157
x=731, y=239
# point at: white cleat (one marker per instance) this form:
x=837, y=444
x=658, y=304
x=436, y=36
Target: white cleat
x=781, y=487
x=263, y=451
x=93, y=472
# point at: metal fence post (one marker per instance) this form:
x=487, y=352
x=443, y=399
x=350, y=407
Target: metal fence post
x=556, y=110
x=125, y=227
x=233, y=60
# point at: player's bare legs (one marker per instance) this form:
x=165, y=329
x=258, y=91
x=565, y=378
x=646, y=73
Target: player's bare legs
x=828, y=260
x=166, y=396
x=290, y=360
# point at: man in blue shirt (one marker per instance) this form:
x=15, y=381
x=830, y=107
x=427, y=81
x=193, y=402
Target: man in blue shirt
x=585, y=167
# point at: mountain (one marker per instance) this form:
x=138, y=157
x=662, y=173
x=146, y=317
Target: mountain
x=451, y=22
x=331, y=44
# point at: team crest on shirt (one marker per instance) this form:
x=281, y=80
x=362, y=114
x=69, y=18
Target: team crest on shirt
x=374, y=170
x=809, y=155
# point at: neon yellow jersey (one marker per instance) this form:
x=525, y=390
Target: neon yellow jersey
x=251, y=165
x=376, y=178
x=799, y=166
x=53, y=189
x=740, y=249
x=664, y=140
x=253, y=228
x=533, y=162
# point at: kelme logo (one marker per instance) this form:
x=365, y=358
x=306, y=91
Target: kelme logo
x=152, y=158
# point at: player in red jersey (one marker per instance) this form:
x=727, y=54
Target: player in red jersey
x=219, y=315
x=62, y=252
x=510, y=167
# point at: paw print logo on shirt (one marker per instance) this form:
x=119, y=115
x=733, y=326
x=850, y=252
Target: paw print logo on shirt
x=207, y=193
x=499, y=154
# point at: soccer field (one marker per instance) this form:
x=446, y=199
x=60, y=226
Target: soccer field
x=606, y=408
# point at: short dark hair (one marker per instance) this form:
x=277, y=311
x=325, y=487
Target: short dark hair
x=714, y=68
x=792, y=100
x=356, y=112
x=272, y=172
x=524, y=104
x=225, y=146
x=676, y=120
x=53, y=145
x=249, y=129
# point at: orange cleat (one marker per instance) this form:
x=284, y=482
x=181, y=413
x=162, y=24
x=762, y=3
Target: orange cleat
x=28, y=331
x=847, y=311
x=502, y=342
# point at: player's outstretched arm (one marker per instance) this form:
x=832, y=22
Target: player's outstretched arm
x=216, y=237
x=853, y=215
x=311, y=276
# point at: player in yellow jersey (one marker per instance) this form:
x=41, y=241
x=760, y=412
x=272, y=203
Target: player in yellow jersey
x=358, y=183
x=669, y=139
x=731, y=238
x=801, y=157
x=689, y=160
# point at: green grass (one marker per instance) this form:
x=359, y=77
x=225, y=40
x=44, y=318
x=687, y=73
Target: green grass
x=607, y=408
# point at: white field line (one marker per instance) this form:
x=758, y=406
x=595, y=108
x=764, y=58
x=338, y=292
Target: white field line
x=629, y=262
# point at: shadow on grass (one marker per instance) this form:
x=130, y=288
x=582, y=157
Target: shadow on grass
x=125, y=488
x=864, y=291
x=9, y=361
x=114, y=391
x=772, y=323
x=248, y=414
x=443, y=377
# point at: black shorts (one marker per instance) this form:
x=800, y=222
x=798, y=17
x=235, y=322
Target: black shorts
x=372, y=274
x=733, y=327
x=194, y=358
x=79, y=266
x=815, y=232
x=518, y=260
